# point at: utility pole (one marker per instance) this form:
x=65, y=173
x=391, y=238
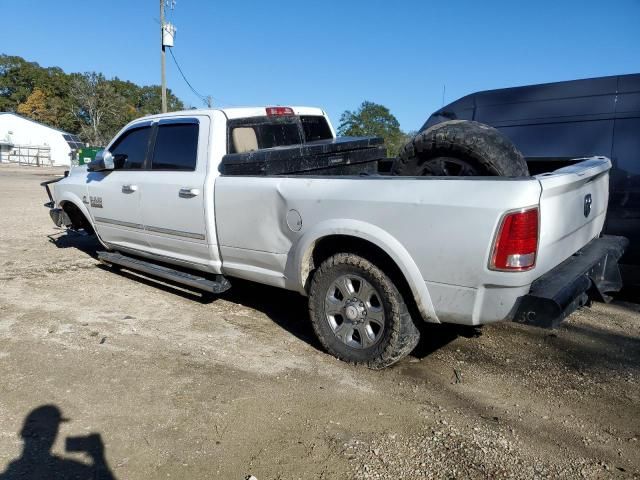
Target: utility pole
x=163, y=74
x=209, y=101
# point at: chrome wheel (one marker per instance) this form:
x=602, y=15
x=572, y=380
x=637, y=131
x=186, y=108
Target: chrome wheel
x=353, y=308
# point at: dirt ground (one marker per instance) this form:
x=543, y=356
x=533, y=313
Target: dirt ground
x=180, y=386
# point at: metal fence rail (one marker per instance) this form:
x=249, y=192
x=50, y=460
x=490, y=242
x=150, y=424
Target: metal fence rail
x=36, y=155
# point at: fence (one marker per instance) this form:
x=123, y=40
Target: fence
x=36, y=155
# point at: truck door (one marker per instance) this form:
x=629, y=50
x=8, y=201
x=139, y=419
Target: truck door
x=114, y=196
x=173, y=196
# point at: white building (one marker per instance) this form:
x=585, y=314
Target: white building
x=26, y=141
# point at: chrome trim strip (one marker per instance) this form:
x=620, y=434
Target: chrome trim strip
x=165, y=231
x=177, y=233
x=117, y=222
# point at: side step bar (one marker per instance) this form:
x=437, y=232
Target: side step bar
x=218, y=285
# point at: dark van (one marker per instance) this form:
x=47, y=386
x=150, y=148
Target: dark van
x=553, y=123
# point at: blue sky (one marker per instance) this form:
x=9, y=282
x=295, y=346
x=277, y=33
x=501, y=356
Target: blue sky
x=333, y=54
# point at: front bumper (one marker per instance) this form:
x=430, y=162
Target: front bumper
x=59, y=217
x=51, y=203
x=590, y=273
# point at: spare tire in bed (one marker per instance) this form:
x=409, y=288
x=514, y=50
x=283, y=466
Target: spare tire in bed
x=460, y=148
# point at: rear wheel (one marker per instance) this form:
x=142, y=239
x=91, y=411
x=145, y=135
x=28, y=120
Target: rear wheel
x=358, y=313
x=460, y=148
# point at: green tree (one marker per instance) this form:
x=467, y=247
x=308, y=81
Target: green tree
x=146, y=100
x=372, y=119
x=89, y=105
x=18, y=79
x=98, y=108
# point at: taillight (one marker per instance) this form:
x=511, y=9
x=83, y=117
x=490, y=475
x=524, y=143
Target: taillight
x=516, y=243
x=279, y=111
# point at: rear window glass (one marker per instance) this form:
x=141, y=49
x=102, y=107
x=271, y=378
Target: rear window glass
x=265, y=132
x=277, y=135
x=315, y=128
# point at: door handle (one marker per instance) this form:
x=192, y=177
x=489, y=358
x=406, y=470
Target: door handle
x=129, y=188
x=186, y=192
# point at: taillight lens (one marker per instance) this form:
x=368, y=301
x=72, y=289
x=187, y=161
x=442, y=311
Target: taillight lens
x=279, y=111
x=516, y=244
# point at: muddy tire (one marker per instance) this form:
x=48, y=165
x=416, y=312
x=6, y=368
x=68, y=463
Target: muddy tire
x=78, y=220
x=358, y=314
x=460, y=148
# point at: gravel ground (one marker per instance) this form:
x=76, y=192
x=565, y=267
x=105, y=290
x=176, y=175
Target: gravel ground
x=181, y=386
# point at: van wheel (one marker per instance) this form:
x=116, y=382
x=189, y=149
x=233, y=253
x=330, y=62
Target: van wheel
x=460, y=148
x=358, y=314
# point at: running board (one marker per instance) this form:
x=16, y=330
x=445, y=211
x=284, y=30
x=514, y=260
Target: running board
x=218, y=285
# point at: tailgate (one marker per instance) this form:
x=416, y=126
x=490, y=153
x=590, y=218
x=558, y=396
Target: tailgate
x=573, y=206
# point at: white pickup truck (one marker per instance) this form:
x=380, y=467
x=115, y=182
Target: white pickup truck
x=376, y=254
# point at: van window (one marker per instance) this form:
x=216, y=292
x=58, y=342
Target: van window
x=176, y=147
x=131, y=148
x=562, y=140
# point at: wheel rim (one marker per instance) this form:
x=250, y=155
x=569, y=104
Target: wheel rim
x=449, y=167
x=354, y=311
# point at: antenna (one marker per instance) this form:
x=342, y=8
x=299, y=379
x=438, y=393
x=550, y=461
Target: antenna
x=444, y=89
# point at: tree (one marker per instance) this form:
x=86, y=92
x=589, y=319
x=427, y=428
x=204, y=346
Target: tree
x=85, y=104
x=36, y=107
x=372, y=119
x=18, y=78
x=99, y=109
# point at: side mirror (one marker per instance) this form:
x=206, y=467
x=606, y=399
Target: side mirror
x=103, y=161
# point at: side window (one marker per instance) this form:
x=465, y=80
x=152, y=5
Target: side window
x=130, y=149
x=176, y=147
x=562, y=139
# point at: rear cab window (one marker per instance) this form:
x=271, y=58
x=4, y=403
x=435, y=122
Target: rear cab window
x=257, y=133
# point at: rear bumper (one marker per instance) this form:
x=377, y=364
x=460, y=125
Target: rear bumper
x=590, y=273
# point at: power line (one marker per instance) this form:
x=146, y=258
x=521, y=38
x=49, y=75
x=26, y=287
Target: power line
x=206, y=99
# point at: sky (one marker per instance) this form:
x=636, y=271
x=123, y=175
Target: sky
x=332, y=54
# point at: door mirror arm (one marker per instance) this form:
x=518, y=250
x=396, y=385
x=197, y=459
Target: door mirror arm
x=104, y=161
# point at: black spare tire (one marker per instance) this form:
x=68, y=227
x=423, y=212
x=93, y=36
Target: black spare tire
x=460, y=148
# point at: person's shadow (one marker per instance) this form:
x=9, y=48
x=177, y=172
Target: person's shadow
x=39, y=433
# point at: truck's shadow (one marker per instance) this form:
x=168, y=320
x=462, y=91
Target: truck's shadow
x=69, y=239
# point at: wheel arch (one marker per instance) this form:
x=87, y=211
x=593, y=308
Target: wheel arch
x=369, y=241
x=68, y=201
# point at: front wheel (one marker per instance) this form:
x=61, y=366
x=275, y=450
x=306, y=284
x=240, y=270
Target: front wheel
x=358, y=313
